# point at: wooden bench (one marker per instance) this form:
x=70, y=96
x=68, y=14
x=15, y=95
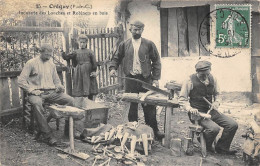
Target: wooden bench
x=169, y=102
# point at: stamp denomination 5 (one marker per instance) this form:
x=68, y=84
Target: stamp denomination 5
x=229, y=30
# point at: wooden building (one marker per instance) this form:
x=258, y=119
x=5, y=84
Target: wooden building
x=173, y=25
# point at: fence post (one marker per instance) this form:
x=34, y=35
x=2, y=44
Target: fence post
x=68, y=72
x=120, y=31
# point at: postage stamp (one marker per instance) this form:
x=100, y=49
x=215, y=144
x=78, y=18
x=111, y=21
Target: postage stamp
x=232, y=26
x=226, y=31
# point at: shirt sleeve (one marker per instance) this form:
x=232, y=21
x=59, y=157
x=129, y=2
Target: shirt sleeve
x=24, y=76
x=216, y=93
x=156, y=62
x=55, y=76
x=184, y=94
x=117, y=57
x=68, y=56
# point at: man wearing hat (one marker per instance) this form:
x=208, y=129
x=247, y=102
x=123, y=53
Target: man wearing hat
x=140, y=60
x=40, y=80
x=203, y=84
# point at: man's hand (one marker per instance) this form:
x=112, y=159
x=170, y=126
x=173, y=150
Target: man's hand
x=156, y=83
x=59, y=89
x=93, y=74
x=112, y=73
x=194, y=111
x=36, y=92
x=215, y=105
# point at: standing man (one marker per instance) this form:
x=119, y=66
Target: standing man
x=203, y=84
x=140, y=60
x=40, y=80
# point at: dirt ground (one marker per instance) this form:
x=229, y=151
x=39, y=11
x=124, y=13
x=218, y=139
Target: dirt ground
x=17, y=146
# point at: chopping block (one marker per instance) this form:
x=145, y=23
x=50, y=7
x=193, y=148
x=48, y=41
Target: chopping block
x=71, y=113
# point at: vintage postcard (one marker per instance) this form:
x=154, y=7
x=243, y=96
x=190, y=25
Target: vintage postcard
x=105, y=57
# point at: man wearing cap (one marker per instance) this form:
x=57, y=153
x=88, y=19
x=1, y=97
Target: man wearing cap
x=40, y=80
x=203, y=84
x=140, y=60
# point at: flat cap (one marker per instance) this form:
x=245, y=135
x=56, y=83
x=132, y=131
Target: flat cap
x=203, y=65
x=137, y=24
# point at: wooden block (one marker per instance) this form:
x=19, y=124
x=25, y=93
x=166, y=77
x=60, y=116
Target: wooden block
x=67, y=111
x=196, y=128
x=176, y=147
x=173, y=86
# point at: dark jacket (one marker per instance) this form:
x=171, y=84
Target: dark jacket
x=148, y=55
x=199, y=91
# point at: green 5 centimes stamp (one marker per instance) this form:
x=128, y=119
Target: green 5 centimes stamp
x=233, y=26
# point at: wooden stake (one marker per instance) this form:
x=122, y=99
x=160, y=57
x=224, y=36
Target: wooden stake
x=145, y=144
x=133, y=143
x=124, y=140
x=106, y=135
x=71, y=133
x=111, y=133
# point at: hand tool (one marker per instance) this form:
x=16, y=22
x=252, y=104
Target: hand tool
x=210, y=104
x=146, y=85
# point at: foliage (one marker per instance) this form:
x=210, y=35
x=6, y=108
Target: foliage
x=17, y=48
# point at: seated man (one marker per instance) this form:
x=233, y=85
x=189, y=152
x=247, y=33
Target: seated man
x=203, y=84
x=40, y=79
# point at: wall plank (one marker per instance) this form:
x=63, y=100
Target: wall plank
x=183, y=32
x=202, y=13
x=255, y=32
x=164, y=32
x=193, y=31
x=255, y=61
x=173, y=44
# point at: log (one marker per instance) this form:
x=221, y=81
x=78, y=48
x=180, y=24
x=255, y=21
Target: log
x=154, y=99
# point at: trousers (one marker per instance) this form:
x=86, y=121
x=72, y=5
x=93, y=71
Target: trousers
x=149, y=110
x=212, y=128
x=50, y=97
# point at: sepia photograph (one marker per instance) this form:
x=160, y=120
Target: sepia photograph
x=130, y=82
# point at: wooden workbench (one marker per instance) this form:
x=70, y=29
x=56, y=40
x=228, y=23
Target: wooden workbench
x=158, y=100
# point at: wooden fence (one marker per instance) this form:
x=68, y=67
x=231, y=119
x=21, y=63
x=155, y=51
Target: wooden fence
x=17, y=45
x=20, y=43
x=103, y=42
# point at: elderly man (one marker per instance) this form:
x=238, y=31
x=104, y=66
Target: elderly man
x=203, y=84
x=40, y=79
x=140, y=60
